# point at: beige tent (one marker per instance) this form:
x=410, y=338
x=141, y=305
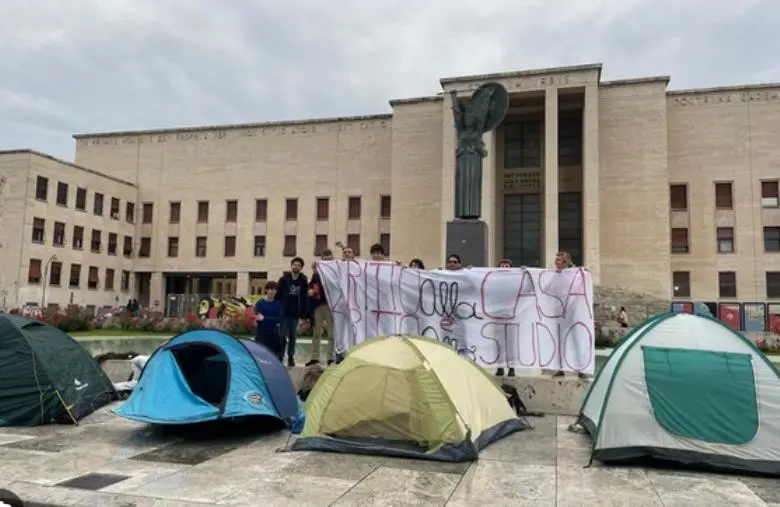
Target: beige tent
x=406, y=396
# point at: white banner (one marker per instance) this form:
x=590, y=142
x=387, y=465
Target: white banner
x=500, y=318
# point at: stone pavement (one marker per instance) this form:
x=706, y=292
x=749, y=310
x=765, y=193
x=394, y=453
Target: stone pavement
x=107, y=461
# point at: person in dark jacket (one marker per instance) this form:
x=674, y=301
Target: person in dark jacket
x=292, y=292
x=322, y=318
x=268, y=315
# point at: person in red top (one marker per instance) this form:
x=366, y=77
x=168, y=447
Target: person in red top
x=321, y=314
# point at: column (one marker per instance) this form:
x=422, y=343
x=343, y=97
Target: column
x=489, y=206
x=157, y=292
x=550, y=176
x=242, y=284
x=590, y=183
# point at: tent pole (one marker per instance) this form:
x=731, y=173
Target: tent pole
x=65, y=406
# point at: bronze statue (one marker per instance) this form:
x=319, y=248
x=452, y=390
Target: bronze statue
x=485, y=110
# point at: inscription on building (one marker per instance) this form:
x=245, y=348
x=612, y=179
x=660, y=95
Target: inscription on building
x=532, y=82
x=216, y=135
x=727, y=98
x=521, y=179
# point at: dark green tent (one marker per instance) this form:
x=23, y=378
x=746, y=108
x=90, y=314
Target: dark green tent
x=46, y=376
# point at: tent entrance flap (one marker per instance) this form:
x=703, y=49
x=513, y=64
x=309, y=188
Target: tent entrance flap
x=205, y=369
x=692, y=392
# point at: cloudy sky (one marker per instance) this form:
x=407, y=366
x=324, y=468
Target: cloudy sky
x=74, y=66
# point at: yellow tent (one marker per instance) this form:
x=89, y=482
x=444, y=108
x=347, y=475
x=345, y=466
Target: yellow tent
x=408, y=397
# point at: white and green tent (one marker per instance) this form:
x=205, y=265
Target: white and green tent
x=690, y=390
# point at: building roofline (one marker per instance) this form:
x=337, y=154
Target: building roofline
x=640, y=80
x=416, y=100
x=732, y=88
x=28, y=151
x=234, y=126
x=522, y=73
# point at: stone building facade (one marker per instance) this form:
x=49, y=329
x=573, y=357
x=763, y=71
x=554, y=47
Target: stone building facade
x=673, y=194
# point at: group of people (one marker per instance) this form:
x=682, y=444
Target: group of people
x=296, y=299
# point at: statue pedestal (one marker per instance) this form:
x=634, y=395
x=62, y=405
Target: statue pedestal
x=469, y=240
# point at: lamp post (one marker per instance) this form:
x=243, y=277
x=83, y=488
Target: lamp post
x=46, y=279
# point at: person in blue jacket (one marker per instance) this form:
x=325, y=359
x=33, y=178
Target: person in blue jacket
x=268, y=316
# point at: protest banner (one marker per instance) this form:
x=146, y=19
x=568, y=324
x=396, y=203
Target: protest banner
x=499, y=318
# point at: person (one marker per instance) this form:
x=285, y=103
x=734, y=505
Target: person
x=563, y=261
x=416, y=263
x=377, y=252
x=268, y=318
x=623, y=317
x=322, y=315
x=505, y=263
x=291, y=291
x=454, y=263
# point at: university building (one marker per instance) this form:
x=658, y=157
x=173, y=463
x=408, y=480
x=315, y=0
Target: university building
x=672, y=193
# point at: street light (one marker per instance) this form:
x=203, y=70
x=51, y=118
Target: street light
x=45, y=280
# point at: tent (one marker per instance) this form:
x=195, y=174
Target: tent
x=46, y=376
x=206, y=375
x=690, y=390
x=406, y=397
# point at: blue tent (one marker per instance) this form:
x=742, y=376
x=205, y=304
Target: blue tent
x=206, y=375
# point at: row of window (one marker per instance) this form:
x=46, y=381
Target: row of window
x=724, y=242
x=524, y=138
x=290, y=248
x=724, y=195
x=727, y=284
x=77, y=239
x=54, y=271
x=98, y=202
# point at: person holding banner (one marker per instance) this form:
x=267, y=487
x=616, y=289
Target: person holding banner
x=321, y=313
x=563, y=261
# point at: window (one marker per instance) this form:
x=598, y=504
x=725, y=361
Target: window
x=724, y=197
x=680, y=240
x=109, y=282
x=62, y=194
x=147, y=213
x=385, y=207
x=290, y=246
x=113, y=241
x=231, y=211
x=127, y=246
x=94, y=244
x=291, y=210
x=145, y=249
x=200, y=246
x=523, y=143
x=74, y=280
x=42, y=188
x=769, y=194
x=115, y=208
x=259, y=248
x=81, y=199
x=355, y=205
x=174, y=213
x=261, y=210
x=570, y=138
x=98, y=208
x=353, y=241
x=773, y=284
x=59, y=234
x=34, y=272
x=55, y=274
x=93, y=278
x=320, y=244
x=173, y=246
x=78, y=237
x=678, y=197
x=681, y=284
x=203, y=212
x=130, y=212
x=727, y=284
x=384, y=240
x=125, y=281
x=772, y=239
x=725, y=239
x=230, y=246
x=39, y=230
x=323, y=209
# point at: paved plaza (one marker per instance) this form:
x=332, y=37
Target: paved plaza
x=108, y=461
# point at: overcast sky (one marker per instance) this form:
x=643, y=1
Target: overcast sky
x=74, y=66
